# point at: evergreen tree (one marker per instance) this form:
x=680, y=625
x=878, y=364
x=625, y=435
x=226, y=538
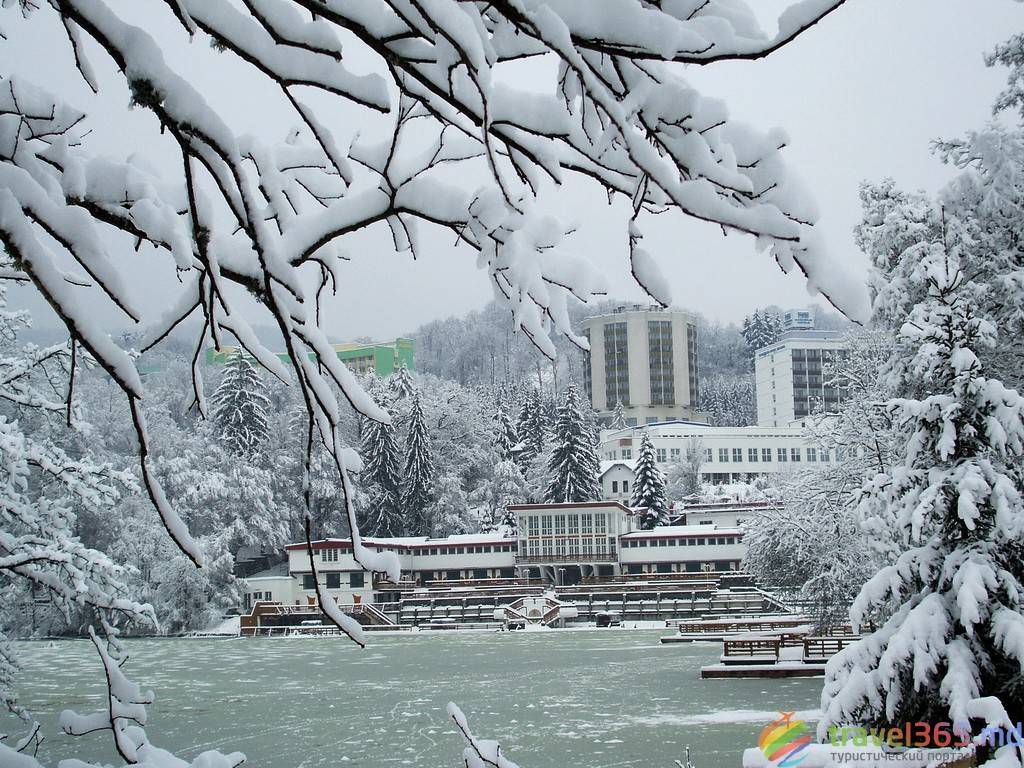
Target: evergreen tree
x=530, y=427
x=618, y=416
x=419, y=472
x=649, y=487
x=952, y=646
x=761, y=329
x=380, y=479
x=400, y=383
x=574, y=465
x=240, y=407
x=506, y=439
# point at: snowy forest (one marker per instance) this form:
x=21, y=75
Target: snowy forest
x=134, y=475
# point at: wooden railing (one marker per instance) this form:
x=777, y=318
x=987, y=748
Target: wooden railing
x=823, y=647
x=600, y=557
x=754, y=650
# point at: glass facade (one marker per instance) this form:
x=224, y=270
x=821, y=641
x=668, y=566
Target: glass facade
x=616, y=364
x=659, y=356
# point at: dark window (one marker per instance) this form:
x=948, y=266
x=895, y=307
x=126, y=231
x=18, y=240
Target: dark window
x=356, y=579
x=664, y=567
x=659, y=355
x=691, y=359
x=616, y=364
x=588, y=384
x=333, y=580
x=308, y=582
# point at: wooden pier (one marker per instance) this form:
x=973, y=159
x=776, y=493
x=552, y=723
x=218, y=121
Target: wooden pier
x=782, y=654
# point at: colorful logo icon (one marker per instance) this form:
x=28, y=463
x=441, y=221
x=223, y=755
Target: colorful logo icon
x=784, y=741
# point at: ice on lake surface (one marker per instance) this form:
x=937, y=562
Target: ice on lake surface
x=601, y=699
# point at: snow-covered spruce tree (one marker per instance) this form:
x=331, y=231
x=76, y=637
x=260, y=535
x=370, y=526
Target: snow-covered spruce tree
x=418, y=478
x=381, y=480
x=506, y=438
x=618, y=416
x=400, y=383
x=649, y=486
x=760, y=329
x=531, y=428
x=729, y=401
x=574, y=466
x=239, y=407
x=951, y=647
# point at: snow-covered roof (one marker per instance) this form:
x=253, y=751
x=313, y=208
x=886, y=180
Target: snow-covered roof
x=500, y=536
x=608, y=464
x=663, y=531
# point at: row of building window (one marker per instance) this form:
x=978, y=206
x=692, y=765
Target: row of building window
x=331, y=555
x=691, y=567
x=735, y=455
x=356, y=580
x=659, y=358
x=690, y=542
x=586, y=523
x=561, y=546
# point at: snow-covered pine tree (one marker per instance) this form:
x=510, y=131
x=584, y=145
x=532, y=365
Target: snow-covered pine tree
x=418, y=481
x=760, y=329
x=506, y=438
x=618, y=416
x=240, y=407
x=951, y=647
x=574, y=466
x=400, y=383
x=530, y=427
x=649, y=486
x=381, y=480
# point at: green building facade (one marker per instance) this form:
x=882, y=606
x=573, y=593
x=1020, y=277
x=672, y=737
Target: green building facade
x=385, y=357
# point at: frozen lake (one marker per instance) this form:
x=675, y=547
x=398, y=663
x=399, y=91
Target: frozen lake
x=597, y=698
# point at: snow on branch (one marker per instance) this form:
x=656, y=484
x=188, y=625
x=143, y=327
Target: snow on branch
x=125, y=717
x=480, y=753
x=261, y=216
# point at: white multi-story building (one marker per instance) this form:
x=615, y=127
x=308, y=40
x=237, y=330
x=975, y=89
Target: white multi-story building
x=791, y=380
x=645, y=358
x=727, y=454
x=557, y=543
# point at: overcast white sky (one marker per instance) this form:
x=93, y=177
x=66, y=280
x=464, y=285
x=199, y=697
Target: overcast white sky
x=861, y=97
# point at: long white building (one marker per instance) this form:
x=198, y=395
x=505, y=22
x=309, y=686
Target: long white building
x=791, y=380
x=558, y=544
x=727, y=454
